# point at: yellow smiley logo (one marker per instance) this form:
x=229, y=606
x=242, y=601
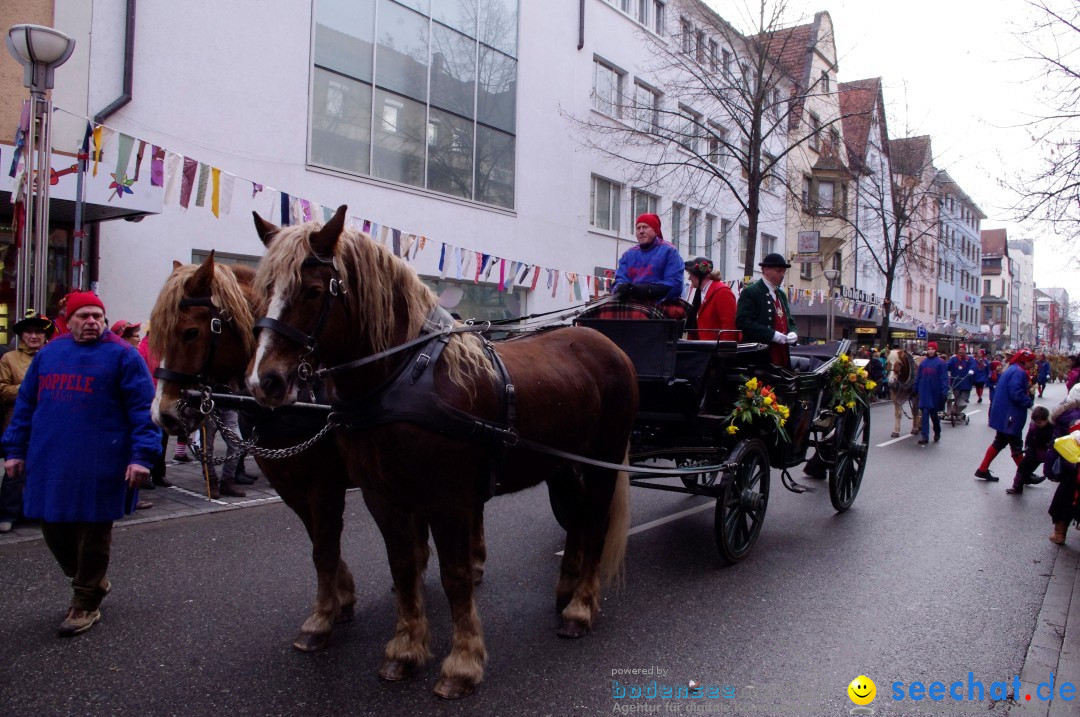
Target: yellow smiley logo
x=862, y=690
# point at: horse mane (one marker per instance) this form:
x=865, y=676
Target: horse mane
x=375, y=279
x=899, y=365
x=226, y=293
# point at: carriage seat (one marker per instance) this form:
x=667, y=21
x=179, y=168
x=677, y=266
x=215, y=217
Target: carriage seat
x=805, y=364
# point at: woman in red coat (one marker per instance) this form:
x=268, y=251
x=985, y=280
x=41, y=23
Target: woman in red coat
x=715, y=304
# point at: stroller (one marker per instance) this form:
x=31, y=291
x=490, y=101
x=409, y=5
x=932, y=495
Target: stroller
x=956, y=403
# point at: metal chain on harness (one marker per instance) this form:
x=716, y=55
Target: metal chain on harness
x=235, y=440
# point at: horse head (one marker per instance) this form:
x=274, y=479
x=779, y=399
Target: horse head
x=304, y=303
x=201, y=330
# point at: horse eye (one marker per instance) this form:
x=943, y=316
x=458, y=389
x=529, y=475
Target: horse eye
x=190, y=335
x=313, y=292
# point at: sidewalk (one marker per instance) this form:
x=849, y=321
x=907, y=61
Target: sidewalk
x=187, y=496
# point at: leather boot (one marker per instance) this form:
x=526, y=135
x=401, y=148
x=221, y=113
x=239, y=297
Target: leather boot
x=229, y=488
x=215, y=490
x=1017, y=486
x=1058, y=536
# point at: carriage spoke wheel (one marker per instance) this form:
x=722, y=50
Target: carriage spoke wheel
x=740, y=509
x=853, y=445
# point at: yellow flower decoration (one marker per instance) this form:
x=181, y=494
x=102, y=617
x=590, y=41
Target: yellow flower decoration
x=839, y=409
x=768, y=400
x=783, y=422
x=851, y=404
x=732, y=430
x=871, y=385
x=752, y=384
x=852, y=377
x=862, y=373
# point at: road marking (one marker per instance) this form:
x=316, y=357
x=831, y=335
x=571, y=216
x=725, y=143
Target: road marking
x=895, y=440
x=668, y=519
x=972, y=413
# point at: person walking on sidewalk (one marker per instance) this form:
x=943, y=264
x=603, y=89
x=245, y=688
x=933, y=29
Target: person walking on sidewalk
x=32, y=331
x=82, y=435
x=1008, y=412
x=1065, y=505
x=932, y=385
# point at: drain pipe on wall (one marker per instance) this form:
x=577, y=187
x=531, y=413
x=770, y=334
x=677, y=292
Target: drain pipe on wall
x=581, y=24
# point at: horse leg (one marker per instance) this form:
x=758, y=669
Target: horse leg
x=320, y=505
x=405, y=536
x=567, y=492
x=898, y=411
x=602, y=527
x=477, y=544
x=463, y=668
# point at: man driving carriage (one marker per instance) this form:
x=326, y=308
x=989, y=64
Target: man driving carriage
x=652, y=270
x=763, y=314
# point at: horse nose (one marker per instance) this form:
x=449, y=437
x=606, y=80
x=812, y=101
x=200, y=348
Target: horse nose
x=272, y=386
x=170, y=423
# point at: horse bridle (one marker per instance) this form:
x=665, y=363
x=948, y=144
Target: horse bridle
x=217, y=319
x=336, y=288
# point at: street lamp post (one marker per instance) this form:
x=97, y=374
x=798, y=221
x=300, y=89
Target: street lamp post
x=40, y=50
x=831, y=276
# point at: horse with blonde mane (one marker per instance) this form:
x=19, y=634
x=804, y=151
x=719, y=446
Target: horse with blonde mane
x=202, y=330
x=901, y=370
x=335, y=297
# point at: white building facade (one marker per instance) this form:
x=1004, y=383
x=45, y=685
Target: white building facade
x=451, y=134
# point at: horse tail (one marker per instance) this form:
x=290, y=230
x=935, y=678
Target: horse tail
x=611, y=560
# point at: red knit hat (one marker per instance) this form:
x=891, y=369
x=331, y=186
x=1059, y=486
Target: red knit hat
x=931, y=345
x=652, y=220
x=78, y=299
x=1022, y=355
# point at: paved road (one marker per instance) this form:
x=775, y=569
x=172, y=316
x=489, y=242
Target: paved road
x=932, y=574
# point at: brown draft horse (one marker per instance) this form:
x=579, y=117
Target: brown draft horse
x=576, y=391
x=312, y=483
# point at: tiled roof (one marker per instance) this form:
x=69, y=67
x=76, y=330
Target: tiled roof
x=857, y=100
x=792, y=49
x=995, y=241
x=910, y=155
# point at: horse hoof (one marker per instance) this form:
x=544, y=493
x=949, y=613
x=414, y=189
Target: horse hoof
x=450, y=688
x=572, y=629
x=345, y=614
x=894, y=435
x=311, y=641
x=561, y=603
x=395, y=670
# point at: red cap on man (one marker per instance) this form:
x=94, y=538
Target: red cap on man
x=1022, y=356
x=931, y=345
x=78, y=299
x=652, y=220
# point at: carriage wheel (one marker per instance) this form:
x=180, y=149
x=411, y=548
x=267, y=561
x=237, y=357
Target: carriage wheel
x=740, y=510
x=852, y=446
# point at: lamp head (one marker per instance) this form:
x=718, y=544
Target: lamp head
x=40, y=50
x=831, y=275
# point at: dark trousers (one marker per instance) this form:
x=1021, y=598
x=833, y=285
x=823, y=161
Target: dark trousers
x=1015, y=443
x=1063, y=506
x=11, y=495
x=928, y=415
x=82, y=550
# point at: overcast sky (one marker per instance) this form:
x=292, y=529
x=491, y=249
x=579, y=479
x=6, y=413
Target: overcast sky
x=950, y=70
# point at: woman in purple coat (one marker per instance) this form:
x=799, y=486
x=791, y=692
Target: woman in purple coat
x=1008, y=412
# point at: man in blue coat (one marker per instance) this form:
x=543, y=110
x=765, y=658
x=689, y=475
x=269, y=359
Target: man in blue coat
x=932, y=385
x=1008, y=412
x=81, y=433
x=962, y=377
x=652, y=270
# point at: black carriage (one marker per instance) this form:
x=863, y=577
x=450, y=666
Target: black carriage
x=687, y=392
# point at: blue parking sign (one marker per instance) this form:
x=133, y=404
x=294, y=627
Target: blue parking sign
x=920, y=332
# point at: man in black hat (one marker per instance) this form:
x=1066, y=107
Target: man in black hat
x=763, y=314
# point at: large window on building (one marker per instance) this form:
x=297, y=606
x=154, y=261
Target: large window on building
x=604, y=202
x=420, y=93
